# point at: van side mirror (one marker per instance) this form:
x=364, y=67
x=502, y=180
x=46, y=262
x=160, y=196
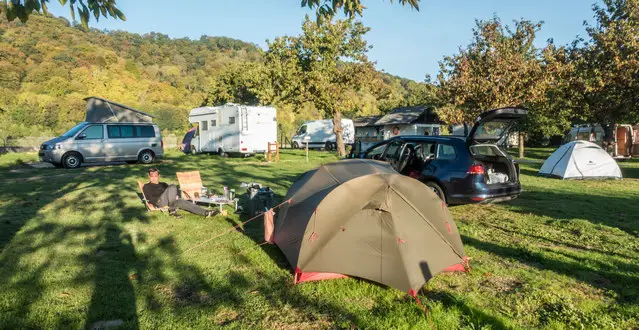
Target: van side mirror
x=81, y=136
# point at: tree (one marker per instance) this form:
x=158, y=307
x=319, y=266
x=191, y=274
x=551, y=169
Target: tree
x=326, y=66
x=608, y=65
x=500, y=68
x=21, y=9
x=328, y=8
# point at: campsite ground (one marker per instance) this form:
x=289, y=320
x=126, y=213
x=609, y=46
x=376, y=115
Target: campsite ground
x=77, y=247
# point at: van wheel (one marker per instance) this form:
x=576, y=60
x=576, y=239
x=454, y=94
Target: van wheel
x=72, y=160
x=221, y=153
x=295, y=145
x=192, y=150
x=146, y=157
x=437, y=190
x=328, y=146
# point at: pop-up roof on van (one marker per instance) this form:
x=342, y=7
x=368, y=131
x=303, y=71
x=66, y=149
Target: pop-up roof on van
x=101, y=110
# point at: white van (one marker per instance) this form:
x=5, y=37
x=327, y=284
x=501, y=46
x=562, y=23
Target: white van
x=320, y=134
x=233, y=129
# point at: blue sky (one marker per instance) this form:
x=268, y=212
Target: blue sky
x=405, y=42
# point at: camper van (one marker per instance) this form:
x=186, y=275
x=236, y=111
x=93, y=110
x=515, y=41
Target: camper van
x=625, y=138
x=110, y=132
x=319, y=134
x=233, y=129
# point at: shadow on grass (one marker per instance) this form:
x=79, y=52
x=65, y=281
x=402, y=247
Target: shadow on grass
x=619, y=212
x=617, y=276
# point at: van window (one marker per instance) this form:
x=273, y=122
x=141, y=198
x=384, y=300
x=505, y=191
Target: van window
x=446, y=152
x=113, y=131
x=302, y=130
x=129, y=131
x=144, y=131
x=126, y=131
x=231, y=120
x=94, y=132
x=213, y=123
x=204, y=126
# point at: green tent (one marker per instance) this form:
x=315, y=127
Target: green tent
x=361, y=218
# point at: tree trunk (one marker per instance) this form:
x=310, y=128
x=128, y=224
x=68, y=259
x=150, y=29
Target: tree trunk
x=521, y=145
x=337, y=129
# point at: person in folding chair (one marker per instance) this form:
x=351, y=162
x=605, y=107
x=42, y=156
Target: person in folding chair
x=162, y=194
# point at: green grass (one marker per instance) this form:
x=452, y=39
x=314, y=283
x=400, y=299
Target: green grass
x=78, y=247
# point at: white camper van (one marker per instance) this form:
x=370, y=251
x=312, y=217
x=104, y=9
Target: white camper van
x=233, y=129
x=320, y=134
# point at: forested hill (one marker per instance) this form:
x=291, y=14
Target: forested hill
x=47, y=67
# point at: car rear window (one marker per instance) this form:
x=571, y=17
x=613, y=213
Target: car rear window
x=485, y=151
x=446, y=152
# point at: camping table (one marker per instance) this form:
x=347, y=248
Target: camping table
x=218, y=200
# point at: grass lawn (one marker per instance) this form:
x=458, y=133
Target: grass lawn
x=77, y=247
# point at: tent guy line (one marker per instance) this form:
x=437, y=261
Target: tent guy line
x=234, y=227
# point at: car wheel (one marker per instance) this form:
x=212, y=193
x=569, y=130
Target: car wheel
x=295, y=145
x=72, y=160
x=437, y=190
x=146, y=157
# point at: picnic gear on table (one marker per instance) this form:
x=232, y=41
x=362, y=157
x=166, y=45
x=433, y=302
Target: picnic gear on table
x=260, y=199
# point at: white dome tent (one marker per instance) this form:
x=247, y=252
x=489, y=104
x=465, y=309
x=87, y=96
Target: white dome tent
x=580, y=160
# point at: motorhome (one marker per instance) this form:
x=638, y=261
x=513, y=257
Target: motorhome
x=319, y=134
x=625, y=136
x=233, y=129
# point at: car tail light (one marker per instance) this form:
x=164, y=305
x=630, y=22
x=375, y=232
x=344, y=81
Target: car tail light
x=478, y=199
x=476, y=169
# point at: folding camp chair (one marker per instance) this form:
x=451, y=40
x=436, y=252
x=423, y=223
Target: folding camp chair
x=190, y=183
x=150, y=207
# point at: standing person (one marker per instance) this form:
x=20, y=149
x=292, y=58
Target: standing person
x=162, y=194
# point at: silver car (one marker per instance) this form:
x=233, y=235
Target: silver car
x=104, y=142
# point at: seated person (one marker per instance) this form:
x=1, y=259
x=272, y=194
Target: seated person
x=162, y=194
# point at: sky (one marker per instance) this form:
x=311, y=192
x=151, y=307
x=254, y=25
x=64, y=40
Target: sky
x=406, y=43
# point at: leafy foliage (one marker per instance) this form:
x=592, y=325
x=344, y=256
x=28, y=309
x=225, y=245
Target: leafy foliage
x=48, y=66
x=325, y=66
x=22, y=9
x=350, y=8
x=607, y=66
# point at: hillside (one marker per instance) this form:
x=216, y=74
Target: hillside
x=48, y=65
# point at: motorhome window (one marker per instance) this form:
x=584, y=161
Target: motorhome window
x=231, y=120
x=73, y=131
x=204, y=126
x=213, y=123
x=144, y=131
x=113, y=131
x=95, y=132
x=126, y=131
